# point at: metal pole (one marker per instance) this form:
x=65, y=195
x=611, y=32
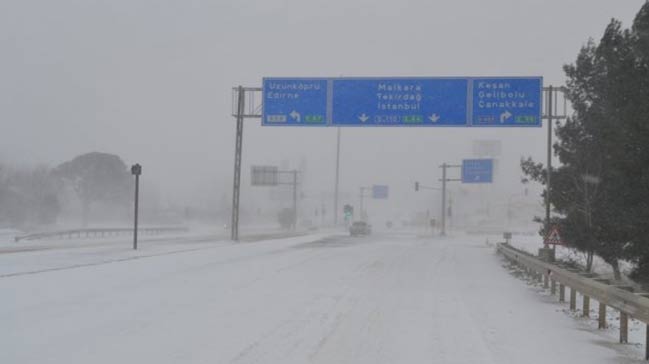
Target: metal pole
x=602, y=316
x=573, y=299
x=549, y=163
x=624, y=328
x=137, y=197
x=585, y=312
x=236, y=188
x=443, y=231
x=449, y=210
x=362, y=215
x=646, y=345
x=337, y=177
x=294, y=199
x=587, y=203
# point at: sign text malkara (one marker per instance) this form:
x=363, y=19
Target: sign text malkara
x=416, y=101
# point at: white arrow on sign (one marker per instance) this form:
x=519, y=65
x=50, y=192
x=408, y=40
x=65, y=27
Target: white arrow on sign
x=363, y=118
x=504, y=116
x=295, y=115
x=434, y=118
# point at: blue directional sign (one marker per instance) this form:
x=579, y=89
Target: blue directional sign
x=400, y=102
x=295, y=101
x=477, y=170
x=507, y=101
x=380, y=191
x=418, y=101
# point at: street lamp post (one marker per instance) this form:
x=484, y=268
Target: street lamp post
x=419, y=186
x=136, y=170
x=362, y=196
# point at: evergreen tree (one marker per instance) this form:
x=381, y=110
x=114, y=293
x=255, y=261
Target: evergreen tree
x=637, y=117
x=601, y=188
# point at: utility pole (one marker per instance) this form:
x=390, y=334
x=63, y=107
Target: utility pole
x=418, y=187
x=337, y=177
x=362, y=195
x=444, y=166
x=234, y=227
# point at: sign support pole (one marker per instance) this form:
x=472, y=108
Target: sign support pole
x=337, y=177
x=549, y=162
x=137, y=198
x=294, y=199
x=236, y=188
x=443, y=229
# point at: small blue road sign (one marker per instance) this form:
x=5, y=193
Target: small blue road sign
x=477, y=171
x=380, y=191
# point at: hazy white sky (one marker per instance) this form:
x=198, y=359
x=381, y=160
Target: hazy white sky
x=150, y=80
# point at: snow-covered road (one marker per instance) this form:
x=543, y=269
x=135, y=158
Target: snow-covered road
x=309, y=299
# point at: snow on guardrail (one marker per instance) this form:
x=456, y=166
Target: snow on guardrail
x=621, y=298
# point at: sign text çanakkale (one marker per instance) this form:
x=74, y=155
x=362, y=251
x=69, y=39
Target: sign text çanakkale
x=472, y=101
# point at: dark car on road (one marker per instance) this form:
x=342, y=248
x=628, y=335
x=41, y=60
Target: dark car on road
x=359, y=228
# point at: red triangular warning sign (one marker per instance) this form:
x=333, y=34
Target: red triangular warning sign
x=553, y=237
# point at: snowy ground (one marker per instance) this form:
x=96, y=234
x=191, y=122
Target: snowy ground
x=309, y=299
x=637, y=329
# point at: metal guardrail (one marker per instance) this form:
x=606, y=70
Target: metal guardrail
x=98, y=232
x=621, y=298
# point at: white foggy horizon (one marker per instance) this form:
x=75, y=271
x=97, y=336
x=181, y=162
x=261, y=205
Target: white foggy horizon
x=151, y=81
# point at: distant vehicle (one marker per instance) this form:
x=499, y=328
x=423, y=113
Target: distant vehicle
x=360, y=228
